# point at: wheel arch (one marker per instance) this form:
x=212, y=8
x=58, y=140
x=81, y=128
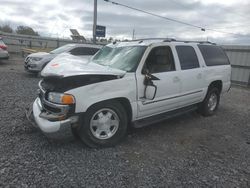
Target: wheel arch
x=217, y=83
x=123, y=101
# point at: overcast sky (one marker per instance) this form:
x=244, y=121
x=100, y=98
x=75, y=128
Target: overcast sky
x=55, y=17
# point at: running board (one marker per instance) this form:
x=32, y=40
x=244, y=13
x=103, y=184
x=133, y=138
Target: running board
x=160, y=117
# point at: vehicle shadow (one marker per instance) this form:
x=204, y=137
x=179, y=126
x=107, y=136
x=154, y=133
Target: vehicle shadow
x=3, y=63
x=168, y=126
x=31, y=75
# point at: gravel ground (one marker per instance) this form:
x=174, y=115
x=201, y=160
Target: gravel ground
x=188, y=151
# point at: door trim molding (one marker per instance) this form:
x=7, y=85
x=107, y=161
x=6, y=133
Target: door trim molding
x=150, y=102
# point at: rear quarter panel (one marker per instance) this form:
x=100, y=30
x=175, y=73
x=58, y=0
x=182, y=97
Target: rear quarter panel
x=219, y=72
x=214, y=73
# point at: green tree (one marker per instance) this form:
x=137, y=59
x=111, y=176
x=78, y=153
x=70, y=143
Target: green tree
x=6, y=28
x=26, y=30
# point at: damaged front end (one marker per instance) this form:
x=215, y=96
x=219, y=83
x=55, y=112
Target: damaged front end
x=55, y=120
x=56, y=104
x=54, y=109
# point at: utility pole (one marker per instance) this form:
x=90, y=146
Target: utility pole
x=94, y=21
x=133, y=36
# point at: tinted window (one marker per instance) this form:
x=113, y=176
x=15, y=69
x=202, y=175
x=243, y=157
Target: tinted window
x=91, y=51
x=83, y=51
x=187, y=56
x=213, y=55
x=160, y=59
x=62, y=49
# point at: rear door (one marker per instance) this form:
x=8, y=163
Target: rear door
x=161, y=64
x=192, y=75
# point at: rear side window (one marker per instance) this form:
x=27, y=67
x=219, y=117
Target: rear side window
x=187, y=56
x=83, y=51
x=213, y=55
x=91, y=51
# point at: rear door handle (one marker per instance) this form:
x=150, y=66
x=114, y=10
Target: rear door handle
x=176, y=79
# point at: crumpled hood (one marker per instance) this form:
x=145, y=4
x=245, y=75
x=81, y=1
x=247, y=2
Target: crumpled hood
x=67, y=65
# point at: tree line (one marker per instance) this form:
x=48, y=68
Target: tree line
x=24, y=30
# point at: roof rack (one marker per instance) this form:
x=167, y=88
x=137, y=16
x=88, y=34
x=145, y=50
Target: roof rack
x=172, y=40
x=163, y=39
x=200, y=42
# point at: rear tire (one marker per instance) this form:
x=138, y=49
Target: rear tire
x=211, y=102
x=103, y=125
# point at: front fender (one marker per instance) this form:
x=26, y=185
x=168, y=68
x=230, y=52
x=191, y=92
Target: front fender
x=88, y=95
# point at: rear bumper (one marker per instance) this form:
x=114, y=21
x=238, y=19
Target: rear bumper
x=53, y=129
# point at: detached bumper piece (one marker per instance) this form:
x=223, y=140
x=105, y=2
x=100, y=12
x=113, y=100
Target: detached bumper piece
x=53, y=125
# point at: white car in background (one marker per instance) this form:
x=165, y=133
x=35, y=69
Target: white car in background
x=37, y=61
x=3, y=50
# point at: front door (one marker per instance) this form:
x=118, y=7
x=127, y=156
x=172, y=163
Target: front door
x=159, y=63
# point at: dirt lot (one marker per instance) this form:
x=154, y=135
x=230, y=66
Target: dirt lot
x=188, y=151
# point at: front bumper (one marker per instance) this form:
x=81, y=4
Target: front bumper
x=60, y=129
x=31, y=68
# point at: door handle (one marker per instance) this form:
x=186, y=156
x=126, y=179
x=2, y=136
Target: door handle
x=176, y=79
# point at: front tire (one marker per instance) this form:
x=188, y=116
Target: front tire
x=211, y=102
x=103, y=125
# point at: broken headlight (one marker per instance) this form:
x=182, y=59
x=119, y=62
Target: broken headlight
x=61, y=98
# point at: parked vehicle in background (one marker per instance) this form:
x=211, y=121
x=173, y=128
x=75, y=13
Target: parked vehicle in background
x=130, y=83
x=37, y=61
x=3, y=50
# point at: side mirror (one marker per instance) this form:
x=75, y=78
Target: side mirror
x=150, y=92
x=150, y=87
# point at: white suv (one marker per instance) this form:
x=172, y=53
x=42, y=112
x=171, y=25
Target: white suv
x=133, y=83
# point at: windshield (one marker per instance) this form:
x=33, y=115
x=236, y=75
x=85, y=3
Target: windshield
x=61, y=49
x=124, y=58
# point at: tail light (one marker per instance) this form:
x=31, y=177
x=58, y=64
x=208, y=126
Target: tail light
x=3, y=47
